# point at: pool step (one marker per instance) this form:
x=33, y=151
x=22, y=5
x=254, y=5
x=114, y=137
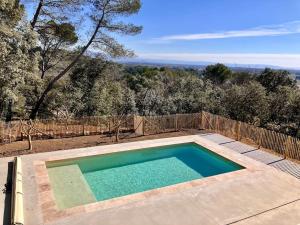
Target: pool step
x=70, y=187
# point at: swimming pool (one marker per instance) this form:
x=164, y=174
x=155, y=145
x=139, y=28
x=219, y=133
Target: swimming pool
x=97, y=178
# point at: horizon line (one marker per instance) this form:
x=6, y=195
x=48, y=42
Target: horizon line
x=289, y=61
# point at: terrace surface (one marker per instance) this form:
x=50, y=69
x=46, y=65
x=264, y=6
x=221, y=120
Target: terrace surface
x=260, y=194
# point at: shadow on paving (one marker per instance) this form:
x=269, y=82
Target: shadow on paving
x=8, y=190
x=267, y=158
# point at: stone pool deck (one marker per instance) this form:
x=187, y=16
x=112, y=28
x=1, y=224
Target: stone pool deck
x=259, y=194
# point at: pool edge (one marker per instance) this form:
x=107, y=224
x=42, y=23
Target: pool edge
x=51, y=213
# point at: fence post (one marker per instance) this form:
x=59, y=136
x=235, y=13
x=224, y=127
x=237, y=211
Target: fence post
x=217, y=124
x=200, y=120
x=53, y=132
x=176, y=122
x=260, y=138
x=9, y=125
x=21, y=132
x=138, y=125
x=238, y=129
x=83, y=128
x=287, y=146
x=202, y=127
x=109, y=128
x=63, y=128
x=143, y=127
x=1, y=132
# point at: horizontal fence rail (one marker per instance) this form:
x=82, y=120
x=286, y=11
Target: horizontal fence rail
x=278, y=143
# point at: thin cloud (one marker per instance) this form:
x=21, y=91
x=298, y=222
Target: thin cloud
x=281, y=60
x=262, y=31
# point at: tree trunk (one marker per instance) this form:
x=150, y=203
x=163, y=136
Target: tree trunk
x=61, y=74
x=9, y=113
x=1, y=108
x=29, y=142
x=37, y=13
x=43, y=73
x=40, y=101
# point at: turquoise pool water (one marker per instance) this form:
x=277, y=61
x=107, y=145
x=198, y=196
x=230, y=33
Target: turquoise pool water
x=118, y=174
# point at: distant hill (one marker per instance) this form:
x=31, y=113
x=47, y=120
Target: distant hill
x=237, y=68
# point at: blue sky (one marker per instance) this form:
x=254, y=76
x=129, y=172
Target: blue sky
x=229, y=31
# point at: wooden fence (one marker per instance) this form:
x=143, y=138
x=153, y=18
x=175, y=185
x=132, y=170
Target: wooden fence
x=282, y=144
x=279, y=143
x=45, y=129
x=167, y=123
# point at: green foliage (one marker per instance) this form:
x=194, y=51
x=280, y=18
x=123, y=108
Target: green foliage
x=11, y=12
x=68, y=83
x=285, y=110
x=56, y=33
x=18, y=60
x=272, y=79
x=112, y=98
x=218, y=73
x=247, y=103
x=106, y=18
x=242, y=77
x=64, y=33
x=54, y=40
x=58, y=11
x=98, y=90
x=141, y=77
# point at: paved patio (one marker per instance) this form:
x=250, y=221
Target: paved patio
x=275, y=161
x=259, y=194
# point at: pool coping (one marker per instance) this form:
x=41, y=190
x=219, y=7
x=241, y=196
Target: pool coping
x=46, y=198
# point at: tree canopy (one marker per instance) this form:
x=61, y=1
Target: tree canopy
x=53, y=21
x=218, y=73
x=272, y=79
x=48, y=69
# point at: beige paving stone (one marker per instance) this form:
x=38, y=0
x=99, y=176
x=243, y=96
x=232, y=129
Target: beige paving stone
x=286, y=215
x=222, y=199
